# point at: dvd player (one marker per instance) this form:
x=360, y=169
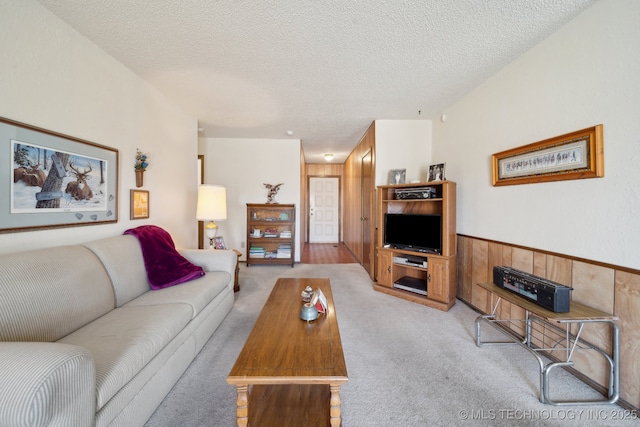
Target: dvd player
x=413, y=261
x=411, y=284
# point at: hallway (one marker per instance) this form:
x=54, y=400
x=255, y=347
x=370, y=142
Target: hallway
x=326, y=253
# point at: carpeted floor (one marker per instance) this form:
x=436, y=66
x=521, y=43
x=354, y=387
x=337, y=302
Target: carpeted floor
x=408, y=365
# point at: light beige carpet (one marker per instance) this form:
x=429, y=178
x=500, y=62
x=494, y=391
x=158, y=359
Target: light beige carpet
x=408, y=365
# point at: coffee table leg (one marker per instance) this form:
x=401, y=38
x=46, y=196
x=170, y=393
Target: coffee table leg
x=334, y=402
x=242, y=411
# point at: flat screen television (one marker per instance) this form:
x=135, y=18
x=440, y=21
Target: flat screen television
x=415, y=232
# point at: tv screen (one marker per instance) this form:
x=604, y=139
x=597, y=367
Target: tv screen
x=417, y=232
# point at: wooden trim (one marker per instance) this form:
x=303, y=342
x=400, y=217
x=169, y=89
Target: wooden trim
x=201, y=223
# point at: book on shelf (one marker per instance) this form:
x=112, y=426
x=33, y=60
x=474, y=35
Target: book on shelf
x=285, y=234
x=284, y=250
x=270, y=232
x=256, y=252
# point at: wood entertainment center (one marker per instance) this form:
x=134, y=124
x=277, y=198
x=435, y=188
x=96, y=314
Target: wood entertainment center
x=437, y=272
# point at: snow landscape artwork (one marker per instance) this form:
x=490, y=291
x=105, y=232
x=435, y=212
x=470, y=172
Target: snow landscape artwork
x=54, y=180
x=82, y=187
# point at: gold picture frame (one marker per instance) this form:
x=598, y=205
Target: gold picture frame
x=52, y=180
x=575, y=155
x=139, y=204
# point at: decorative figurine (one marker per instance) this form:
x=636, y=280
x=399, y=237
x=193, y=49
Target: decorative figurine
x=273, y=190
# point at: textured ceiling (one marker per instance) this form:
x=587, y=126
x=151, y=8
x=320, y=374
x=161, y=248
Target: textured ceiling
x=322, y=69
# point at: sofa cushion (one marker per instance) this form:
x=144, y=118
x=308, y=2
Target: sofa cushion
x=124, y=340
x=122, y=258
x=46, y=294
x=197, y=293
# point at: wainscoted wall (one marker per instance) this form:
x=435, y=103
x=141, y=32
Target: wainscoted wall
x=610, y=288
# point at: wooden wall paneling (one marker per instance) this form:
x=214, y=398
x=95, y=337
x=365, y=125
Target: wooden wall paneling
x=507, y=261
x=479, y=260
x=465, y=283
x=304, y=197
x=559, y=270
x=627, y=308
x=522, y=259
x=353, y=196
x=540, y=264
x=353, y=199
x=594, y=285
x=507, y=255
x=495, y=258
x=605, y=287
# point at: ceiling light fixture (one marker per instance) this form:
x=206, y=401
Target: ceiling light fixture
x=289, y=132
x=328, y=157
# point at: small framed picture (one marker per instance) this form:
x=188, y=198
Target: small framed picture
x=397, y=176
x=436, y=172
x=219, y=242
x=139, y=204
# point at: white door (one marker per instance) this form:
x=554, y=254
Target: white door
x=323, y=210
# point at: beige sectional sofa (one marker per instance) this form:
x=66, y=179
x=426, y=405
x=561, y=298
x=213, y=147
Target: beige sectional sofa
x=84, y=341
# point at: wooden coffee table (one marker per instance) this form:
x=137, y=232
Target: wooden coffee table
x=290, y=371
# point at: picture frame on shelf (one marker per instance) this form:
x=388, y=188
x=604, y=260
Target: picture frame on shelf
x=397, y=176
x=139, y=204
x=219, y=243
x=55, y=180
x=575, y=155
x=436, y=172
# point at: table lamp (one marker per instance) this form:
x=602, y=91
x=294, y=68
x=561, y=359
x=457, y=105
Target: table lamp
x=212, y=206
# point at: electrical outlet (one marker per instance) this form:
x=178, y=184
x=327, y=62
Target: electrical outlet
x=242, y=244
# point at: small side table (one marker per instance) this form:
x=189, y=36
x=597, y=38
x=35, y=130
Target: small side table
x=236, y=280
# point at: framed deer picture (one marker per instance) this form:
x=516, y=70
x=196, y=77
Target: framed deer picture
x=55, y=180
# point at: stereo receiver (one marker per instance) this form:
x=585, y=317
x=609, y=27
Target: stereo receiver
x=550, y=295
x=416, y=193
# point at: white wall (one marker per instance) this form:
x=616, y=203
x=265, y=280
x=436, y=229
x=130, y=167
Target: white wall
x=585, y=74
x=403, y=144
x=53, y=78
x=243, y=166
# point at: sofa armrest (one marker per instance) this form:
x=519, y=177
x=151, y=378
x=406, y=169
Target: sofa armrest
x=212, y=259
x=46, y=384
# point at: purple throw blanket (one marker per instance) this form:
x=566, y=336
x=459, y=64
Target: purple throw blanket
x=165, y=266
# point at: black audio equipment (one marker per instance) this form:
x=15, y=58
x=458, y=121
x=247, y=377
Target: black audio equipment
x=416, y=193
x=550, y=295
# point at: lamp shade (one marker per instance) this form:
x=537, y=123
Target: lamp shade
x=212, y=203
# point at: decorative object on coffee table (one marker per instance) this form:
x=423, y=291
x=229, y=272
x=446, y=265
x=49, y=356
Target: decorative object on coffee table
x=309, y=312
